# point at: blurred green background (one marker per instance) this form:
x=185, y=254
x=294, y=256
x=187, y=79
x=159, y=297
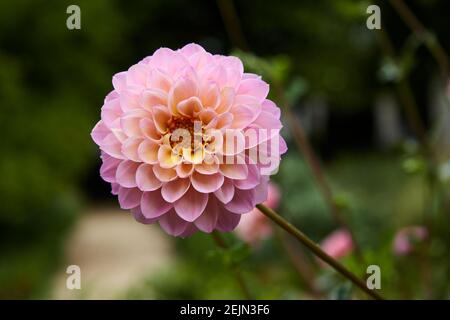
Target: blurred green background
x=329, y=67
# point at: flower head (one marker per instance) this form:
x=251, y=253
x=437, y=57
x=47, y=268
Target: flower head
x=406, y=238
x=255, y=226
x=338, y=244
x=189, y=140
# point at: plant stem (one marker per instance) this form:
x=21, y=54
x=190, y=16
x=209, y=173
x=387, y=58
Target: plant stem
x=311, y=245
x=220, y=242
x=433, y=45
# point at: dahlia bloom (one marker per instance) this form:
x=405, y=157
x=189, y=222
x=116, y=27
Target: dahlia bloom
x=255, y=226
x=189, y=140
x=338, y=244
x=406, y=238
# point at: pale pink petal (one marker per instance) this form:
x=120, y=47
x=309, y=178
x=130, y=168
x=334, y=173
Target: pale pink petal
x=108, y=168
x=112, y=146
x=100, y=132
x=149, y=130
x=153, y=97
x=226, y=100
x=227, y=221
x=126, y=174
x=254, y=87
x=161, y=118
x=137, y=213
x=173, y=190
x=111, y=111
x=153, y=205
x=164, y=174
x=242, y=202
x=252, y=180
x=129, y=197
x=183, y=89
x=191, y=205
x=243, y=115
x=184, y=169
x=130, y=149
x=119, y=81
x=208, y=220
x=148, y=151
x=146, y=179
x=206, y=183
x=210, y=95
x=271, y=107
x=226, y=192
x=234, y=171
x=190, y=107
x=158, y=79
x=173, y=224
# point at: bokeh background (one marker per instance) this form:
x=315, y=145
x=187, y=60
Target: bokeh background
x=373, y=104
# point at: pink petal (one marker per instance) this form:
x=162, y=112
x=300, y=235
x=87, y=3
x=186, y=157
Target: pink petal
x=130, y=149
x=183, y=89
x=227, y=221
x=126, y=174
x=172, y=224
x=226, y=192
x=252, y=180
x=146, y=179
x=111, y=111
x=158, y=79
x=149, y=130
x=153, y=97
x=242, y=202
x=119, y=81
x=208, y=220
x=153, y=205
x=210, y=95
x=129, y=197
x=271, y=107
x=234, y=171
x=261, y=191
x=100, y=132
x=109, y=168
x=206, y=183
x=190, y=107
x=161, y=118
x=226, y=100
x=243, y=115
x=191, y=205
x=173, y=190
x=137, y=213
x=254, y=87
x=164, y=174
x=148, y=151
x=184, y=169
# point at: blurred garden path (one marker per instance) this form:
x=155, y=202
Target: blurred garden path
x=114, y=253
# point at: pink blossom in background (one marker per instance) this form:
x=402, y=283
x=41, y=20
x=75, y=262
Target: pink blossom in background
x=182, y=181
x=406, y=238
x=255, y=226
x=338, y=244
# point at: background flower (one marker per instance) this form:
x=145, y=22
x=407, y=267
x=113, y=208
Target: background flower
x=185, y=184
x=338, y=244
x=406, y=239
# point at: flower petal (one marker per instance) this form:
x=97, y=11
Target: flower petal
x=146, y=179
x=129, y=197
x=173, y=190
x=206, y=183
x=242, y=202
x=191, y=205
x=173, y=224
x=226, y=192
x=126, y=174
x=153, y=205
x=208, y=220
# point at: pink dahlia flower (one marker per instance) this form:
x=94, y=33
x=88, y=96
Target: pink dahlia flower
x=338, y=244
x=189, y=140
x=255, y=226
x=406, y=238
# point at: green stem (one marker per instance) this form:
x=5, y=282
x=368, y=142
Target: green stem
x=220, y=242
x=311, y=245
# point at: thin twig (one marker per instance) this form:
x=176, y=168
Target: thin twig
x=311, y=245
x=417, y=27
